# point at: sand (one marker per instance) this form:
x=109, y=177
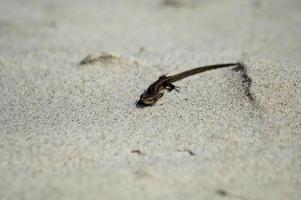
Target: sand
x=72, y=131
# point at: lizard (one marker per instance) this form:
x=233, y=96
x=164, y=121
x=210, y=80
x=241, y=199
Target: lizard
x=156, y=90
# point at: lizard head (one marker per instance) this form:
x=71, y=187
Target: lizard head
x=153, y=93
x=147, y=99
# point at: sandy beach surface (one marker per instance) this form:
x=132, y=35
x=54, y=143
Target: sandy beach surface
x=72, y=131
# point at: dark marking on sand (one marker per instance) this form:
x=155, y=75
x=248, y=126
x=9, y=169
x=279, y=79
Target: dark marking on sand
x=137, y=151
x=178, y=3
x=188, y=151
x=172, y=3
x=99, y=57
x=222, y=192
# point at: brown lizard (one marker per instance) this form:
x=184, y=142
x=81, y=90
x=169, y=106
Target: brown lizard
x=156, y=90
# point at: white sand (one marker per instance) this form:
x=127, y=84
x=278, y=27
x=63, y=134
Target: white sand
x=67, y=131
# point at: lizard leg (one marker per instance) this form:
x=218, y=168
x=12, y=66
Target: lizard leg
x=170, y=87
